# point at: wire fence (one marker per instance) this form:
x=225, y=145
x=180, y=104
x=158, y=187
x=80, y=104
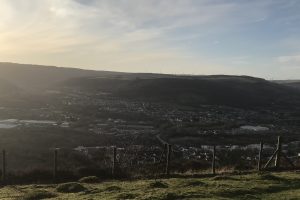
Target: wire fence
x=61, y=164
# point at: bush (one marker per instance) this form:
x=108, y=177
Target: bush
x=91, y=171
x=30, y=176
x=70, y=188
x=89, y=179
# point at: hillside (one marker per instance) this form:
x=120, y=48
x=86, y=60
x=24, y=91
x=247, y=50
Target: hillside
x=220, y=90
x=7, y=88
x=252, y=186
x=40, y=77
x=290, y=83
x=34, y=77
x=240, y=91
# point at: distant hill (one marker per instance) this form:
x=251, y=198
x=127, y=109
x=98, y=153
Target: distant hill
x=7, y=88
x=39, y=77
x=240, y=91
x=291, y=83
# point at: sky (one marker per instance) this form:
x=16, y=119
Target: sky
x=242, y=37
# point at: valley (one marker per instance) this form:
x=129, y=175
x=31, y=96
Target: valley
x=130, y=111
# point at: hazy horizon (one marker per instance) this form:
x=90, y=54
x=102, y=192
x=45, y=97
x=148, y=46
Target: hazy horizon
x=178, y=74
x=255, y=38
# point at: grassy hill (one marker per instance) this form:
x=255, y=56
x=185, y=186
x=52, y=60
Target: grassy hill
x=39, y=77
x=7, y=88
x=290, y=83
x=226, y=187
x=295, y=84
x=220, y=90
x=35, y=77
x=239, y=91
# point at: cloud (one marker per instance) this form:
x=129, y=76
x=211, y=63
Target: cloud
x=240, y=60
x=290, y=60
x=99, y=29
x=127, y=35
x=287, y=59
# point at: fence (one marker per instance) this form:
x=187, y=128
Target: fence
x=113, y=162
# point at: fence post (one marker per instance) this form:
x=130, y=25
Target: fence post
x=213, y=165
x=270, y=160
x=3, y=166
x=260, y=155
x=165, y=148
x=278, y=155
x=169, y=149
x=113, y=170
x=55, y=165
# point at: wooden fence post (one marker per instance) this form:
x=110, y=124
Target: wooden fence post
x=169, y=150
x=270, y=160
x=165, y=148
x=213, y=165
x=260, y=156
x=113, y=170
x=278, y=155
x=55, y=165
x=3, y=166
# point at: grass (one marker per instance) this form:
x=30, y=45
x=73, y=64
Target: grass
x=284, y=185
x=38, y=194
x=158, y=184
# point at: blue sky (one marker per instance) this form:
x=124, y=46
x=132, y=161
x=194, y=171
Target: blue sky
x=244, y=37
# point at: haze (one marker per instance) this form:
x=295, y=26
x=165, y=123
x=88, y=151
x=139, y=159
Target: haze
x=257, y=38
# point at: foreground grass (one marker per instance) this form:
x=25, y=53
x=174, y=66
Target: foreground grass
x=285, y=185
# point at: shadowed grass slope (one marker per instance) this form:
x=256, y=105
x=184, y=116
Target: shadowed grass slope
x=284, y=185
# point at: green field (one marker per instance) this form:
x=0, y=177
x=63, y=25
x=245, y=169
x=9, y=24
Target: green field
x=284, y=185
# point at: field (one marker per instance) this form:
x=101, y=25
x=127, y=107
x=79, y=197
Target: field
x=284, y=185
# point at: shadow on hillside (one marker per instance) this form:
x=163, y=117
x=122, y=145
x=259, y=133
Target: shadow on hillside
x=282, y=185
